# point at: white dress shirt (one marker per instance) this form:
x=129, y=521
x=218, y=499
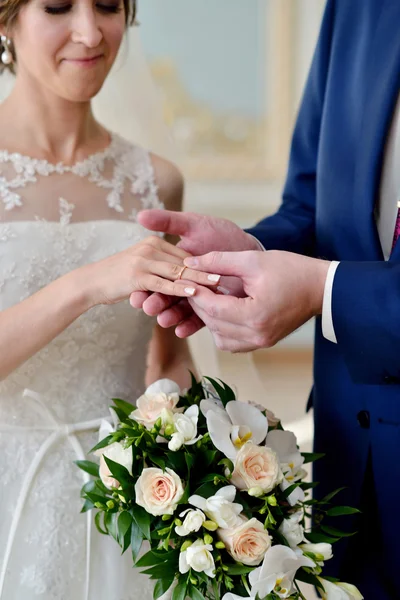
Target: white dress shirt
x=385, y=214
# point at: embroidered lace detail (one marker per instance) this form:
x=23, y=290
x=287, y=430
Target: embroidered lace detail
x=122, y=170
x=54, y=219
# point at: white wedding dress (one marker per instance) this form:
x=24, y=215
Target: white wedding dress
x=54, y=219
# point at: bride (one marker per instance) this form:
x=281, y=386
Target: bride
x=71, y=253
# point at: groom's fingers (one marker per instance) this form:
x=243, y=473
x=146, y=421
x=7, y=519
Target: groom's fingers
x=174, y=315
x=189, y=327
x=237, y=264
x=138, y=299
x=168, y=221
x=220, y=307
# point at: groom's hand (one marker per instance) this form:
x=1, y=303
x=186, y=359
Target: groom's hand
x=284, y=290
x=199, y=235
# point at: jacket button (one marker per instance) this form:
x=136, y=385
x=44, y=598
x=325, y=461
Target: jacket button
x=363, y=419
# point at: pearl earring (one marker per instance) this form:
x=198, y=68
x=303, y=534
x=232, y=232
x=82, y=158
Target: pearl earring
x=6, y=57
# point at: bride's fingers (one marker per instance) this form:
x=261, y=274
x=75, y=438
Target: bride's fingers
x=152, y=283
x=166, y=247
x=175, y=272
x=138, y=299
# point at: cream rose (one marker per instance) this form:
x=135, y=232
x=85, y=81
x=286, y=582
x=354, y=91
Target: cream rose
x=158, y=492
x=163, y=394
x=256, y=469
x=117, y=453
x=247, y=543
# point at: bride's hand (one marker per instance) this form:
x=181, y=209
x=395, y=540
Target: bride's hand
x=152, y=265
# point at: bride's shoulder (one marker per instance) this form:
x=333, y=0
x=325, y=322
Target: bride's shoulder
x=167, y=176
x=170, y=182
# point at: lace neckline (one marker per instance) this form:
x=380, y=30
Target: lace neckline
x=41, y=163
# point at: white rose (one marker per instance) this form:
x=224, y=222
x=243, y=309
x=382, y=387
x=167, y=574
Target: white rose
x=120, y=455
x=257, y=469
x=194, y=520
x=339, y=591
x=159, y=492
x=220, y=508
x=185, y=426
x=199, y=558
x=292, y=530
x=247, y=543
x=163, y=394
x=322, y=551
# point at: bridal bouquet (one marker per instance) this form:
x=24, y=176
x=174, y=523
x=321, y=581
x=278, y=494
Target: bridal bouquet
x=216, y=487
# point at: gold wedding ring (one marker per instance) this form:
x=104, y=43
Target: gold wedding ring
x=181, y=272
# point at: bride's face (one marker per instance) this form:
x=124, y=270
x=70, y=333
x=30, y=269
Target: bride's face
x=69, y=46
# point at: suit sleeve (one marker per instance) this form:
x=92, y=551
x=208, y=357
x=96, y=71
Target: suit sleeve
x=366, y=319
x=292, y=228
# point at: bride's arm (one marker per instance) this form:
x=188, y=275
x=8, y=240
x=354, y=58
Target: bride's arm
x=169, y=357
x=29, y=326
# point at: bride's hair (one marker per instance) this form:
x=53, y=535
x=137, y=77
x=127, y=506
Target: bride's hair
x=9, y=10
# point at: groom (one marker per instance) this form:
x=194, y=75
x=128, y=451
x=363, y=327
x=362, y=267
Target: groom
x=332, y=253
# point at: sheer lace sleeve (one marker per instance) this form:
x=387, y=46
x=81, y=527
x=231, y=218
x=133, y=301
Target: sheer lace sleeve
x=114, y=184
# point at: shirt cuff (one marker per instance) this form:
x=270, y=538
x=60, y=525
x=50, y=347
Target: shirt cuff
x=261, y=247
x=328, y=330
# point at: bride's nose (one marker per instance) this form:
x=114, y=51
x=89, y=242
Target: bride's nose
x=86, y=28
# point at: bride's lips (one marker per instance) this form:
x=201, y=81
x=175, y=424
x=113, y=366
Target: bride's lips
x=85, y=62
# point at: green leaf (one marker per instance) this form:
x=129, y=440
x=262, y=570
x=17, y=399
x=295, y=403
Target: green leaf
x=119, y=472
x=136, y=541
x=311, y=456
x=89, y=467
x=156, y=557
x=194, y=593
x=309, y=485
x=329, y=497
x=88, y=505
x=160, y=462
x=189, y=458
x=317, y=538
x=97, y=522
x=338, y=511
x=160, y=571
x=305, y=577
x=290, y=489
x=206, y=490
x=151, y=558
x=126, y=407
x=162, y=586
x=110, y=522
x=102, y=444
x=142, y=519
x=179, y=592
x=209, y=457
x=124, y=523
x=336, y=532
x=238, y=570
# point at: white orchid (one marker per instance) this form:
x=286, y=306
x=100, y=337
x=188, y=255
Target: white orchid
x=193, y=521
x=284, y=443
x=197, y=557
x=321, y=551
x=221, y=507
x=185, y=428
x=277, y=572
x=292, y=529
x=230, y=596
x=339, y=591
x=232, y=427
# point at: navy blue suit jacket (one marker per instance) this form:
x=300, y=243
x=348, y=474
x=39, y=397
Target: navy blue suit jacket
x=328, y=212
